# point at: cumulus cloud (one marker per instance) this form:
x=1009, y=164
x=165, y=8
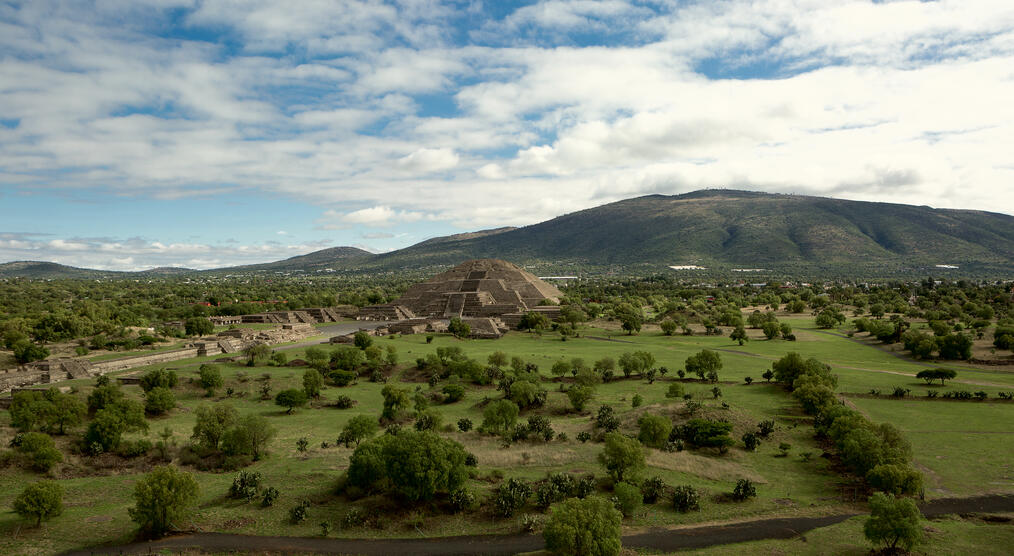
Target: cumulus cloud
x=394, y=114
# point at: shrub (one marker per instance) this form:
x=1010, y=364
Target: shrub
x=511, y=496
x=299, y=512
x=750, y=441
x=579, y=527
x=675, y=390
x=606, y=419
x=396, y=402
x=765, y=428
x=416, y=465
x=626, y=498
x=744, y=490
x=343, y=402
x=453, y=393
x=40, y=501
x=464, y=424
x=499, y=417
x=245, y=486
x=269, y=497
x=342, y=378
x=428, y=421
x=158, y=378
x=312, y=383
x=652, y=489
x=162, y=498
x=357, y=429
x=636, y=401
x=462, y=500
x=40, y=451
x=579, y=396
x=686, y=498
x=653, y=430
x=583, y=436
x=210, y=378
x=159, y=400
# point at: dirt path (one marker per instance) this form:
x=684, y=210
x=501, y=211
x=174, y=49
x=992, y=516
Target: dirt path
x=660, y=539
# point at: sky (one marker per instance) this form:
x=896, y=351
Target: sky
x=143, y=133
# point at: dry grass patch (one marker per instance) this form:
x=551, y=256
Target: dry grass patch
x=551, y=454
x=715, y=469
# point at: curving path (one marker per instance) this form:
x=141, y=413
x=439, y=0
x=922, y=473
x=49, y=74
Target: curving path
x=660, y=539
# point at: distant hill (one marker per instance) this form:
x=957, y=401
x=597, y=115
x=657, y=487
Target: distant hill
x=44, y=270
x=336, y=257
x=719, y=229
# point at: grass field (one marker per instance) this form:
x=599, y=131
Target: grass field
x=963, y=448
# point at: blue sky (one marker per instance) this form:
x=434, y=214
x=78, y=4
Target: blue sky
x=136, y=134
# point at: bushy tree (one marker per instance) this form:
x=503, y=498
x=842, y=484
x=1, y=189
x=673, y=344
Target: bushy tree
x=312, y=383
x=416, y=465
x=162, y=499
x=362, y=340
x=158, y=378
x=895, y=479
x=459, y=328
x=739, y=335
x=210, y=378
x=198, y=326
x=584, y=527
x=653, y=430
x=359, y=428
x=26, y=352
x=40, y=501
x=51, y=411
x=212, y=422
x=893, y=522
x=249, y=437
x=627, y=498
x=636, y=362
x=40, y=451
x=396, y=402
x=511, y=496
x=579, y=396
x=686, y=498
x=703, y=363
x=111, y=422
x=291, y=399
x=499, y=417
x=622, y=457
x=159, y=400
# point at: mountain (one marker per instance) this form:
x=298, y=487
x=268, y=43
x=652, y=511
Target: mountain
x=719, y=229
x=740, y=229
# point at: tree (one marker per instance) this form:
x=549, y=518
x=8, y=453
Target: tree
x=257, y=353
x=417, y=465
x=162, y=499
x=459, y=328
x=739, y=335
x=248, y=437
x=26, y=352
x=631, y=318
x=291, y=399
x=50, y=411
x=159, y=400
x=579, y=396
x=536, y=322
x=212, y=422
x=198, y=326
x=771, y=330
x=704, y=362
x=112, y=421
x=498, y=359
x=636, y=362
x=40, y=450
x=158, y=378
x=929, y=375
x=40, y=501
x=895, y=479
x=668, y=327
x=893, y=522
x=560, y=368
x=622, y=457
x=358, y=428
x=705, y=433
x=580, y=527
x=686, y=498
x=211, y=378
x=744, y=490
x=312, y=383
x=653, y=430
x=362, y=340
x=626, y=498
x=396, y=402
x=499, y=417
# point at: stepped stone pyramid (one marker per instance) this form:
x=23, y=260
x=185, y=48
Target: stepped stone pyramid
x=481, y=288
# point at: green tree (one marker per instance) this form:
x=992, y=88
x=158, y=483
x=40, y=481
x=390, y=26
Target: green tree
x=653, y=430
x=210, y=377
x=895, y=479
x=396, y=402
x=40, y=501
x=622, y=457
x=290, y=399
x=579, y=396
x=212, y=422
x=312, y=383
x=739, y=335
x=459, y=328
x=158, y=378
x=159, y=400
x=704, y=363
x=249, y=436
x=112, y=421
x=771, y=330
x=362, y=340
x=359, y=428
x=627, y=498
x=416, y=465
x=198, y=326
x=40, y=450
x=631, y=318
x=668, y=327
x=893, y=522
x=26, y=352
x=560, y=368
x=584, y=527
x=499, y=417
x=162, y=499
